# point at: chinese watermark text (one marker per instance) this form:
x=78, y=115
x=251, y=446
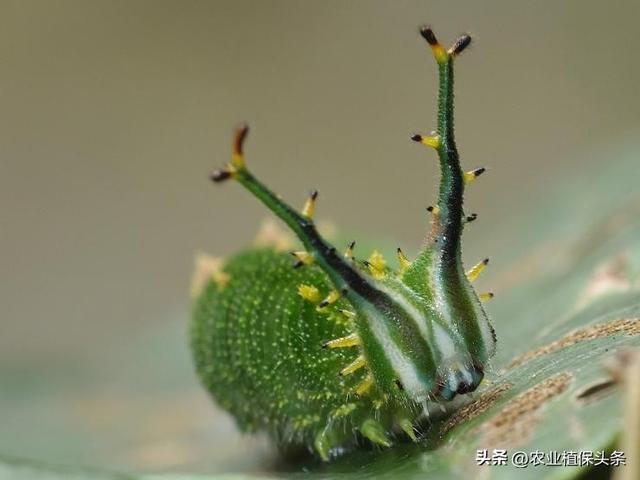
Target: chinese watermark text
x=553, y=458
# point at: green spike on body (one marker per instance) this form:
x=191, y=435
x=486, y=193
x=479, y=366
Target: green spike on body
x=323, y=444
x=407, y=427
x=373, y=431
x=419, y=334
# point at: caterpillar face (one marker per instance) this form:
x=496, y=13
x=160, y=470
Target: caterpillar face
x=399, y=338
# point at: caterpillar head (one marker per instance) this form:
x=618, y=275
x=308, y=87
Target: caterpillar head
x=409, y=345
x=421, y=330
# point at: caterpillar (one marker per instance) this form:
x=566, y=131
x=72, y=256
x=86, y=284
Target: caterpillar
x=325, y=350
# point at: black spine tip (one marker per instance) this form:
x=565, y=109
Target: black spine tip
x=325, y=345
x=428, y=35
x=399, y=250
x=479, y=171
x=416, y=137
x=352, y=245
x=472, y=217
x=314, y=194
x=323, y=304
x=460, y=44
x=430, y=208
x=486, y=261
x=398, y=384
x=298, y=264
x=220, y=176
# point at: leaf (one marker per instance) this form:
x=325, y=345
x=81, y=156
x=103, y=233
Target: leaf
x=568, y=299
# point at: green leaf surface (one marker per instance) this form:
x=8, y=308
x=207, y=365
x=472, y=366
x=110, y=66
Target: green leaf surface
x=567, y=299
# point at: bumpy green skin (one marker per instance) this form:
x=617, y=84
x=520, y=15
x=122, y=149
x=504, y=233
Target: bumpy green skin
x=257, y=345
x=421, y=333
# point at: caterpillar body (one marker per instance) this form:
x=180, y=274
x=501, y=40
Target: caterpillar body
x=324, y=349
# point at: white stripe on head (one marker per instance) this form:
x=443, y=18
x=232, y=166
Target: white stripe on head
x=401, y=364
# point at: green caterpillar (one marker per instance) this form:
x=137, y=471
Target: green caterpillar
x=334, y=349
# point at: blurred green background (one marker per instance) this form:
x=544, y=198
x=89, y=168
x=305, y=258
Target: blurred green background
x=112, y=113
